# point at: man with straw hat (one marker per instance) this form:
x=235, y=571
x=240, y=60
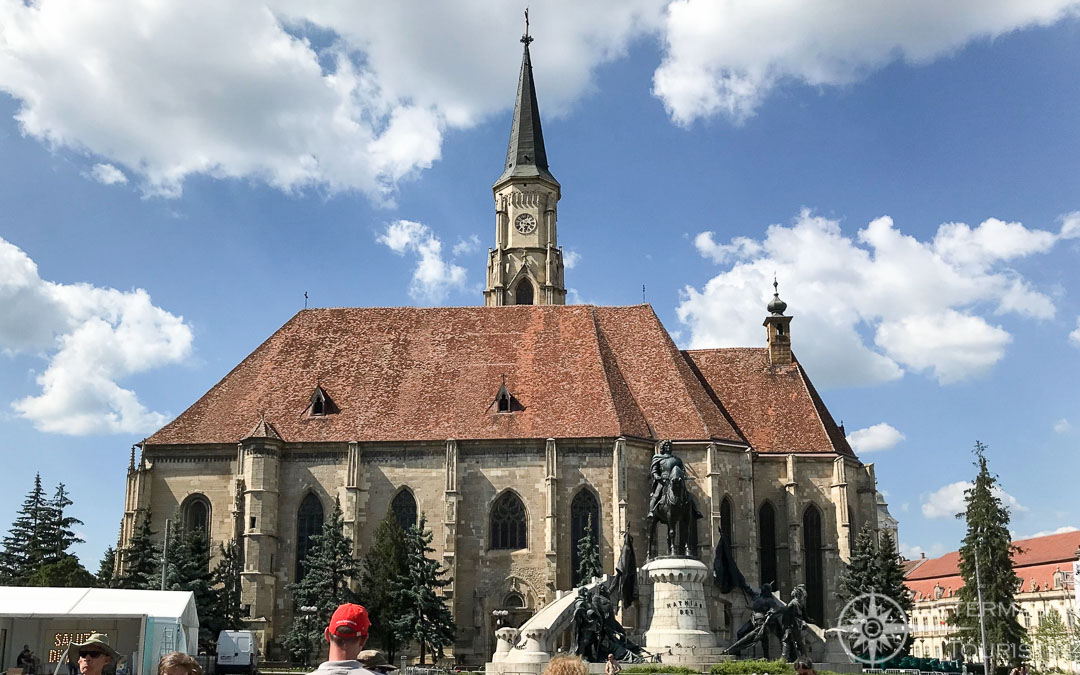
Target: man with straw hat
x=95, y=654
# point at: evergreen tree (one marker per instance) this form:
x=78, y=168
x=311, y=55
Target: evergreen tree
x=891, y=569
x=384, y=563
x=141, y=558
x=227, y=580
x=106, y=574
x=588, y=556
x=329, y=571
x=187, y=568
x=23, y=548
x=863, y=574
x=891, y=582
x=423, y=616
x=57, y=532
x=988, y=538
x=66, y=572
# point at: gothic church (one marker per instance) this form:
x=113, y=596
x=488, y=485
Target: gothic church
x=512, y=425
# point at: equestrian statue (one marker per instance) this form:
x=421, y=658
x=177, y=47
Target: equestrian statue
x=672, y=504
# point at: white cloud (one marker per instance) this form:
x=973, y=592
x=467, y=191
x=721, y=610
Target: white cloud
x=876, y=304
x=434, y=277
x=913, y=552
x=92, y=338
x=1046, y=533
x=1074, y=335
x=332, y=95
x=107, y=174
x=947, y=501
x=570, y=258
x=1070, y=225
x=725, y=57
x=880, y=436
x=466, y=245
x=1062, y=426
x=740, y=247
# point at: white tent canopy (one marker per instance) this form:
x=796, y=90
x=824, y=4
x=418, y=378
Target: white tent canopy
x=148, y=623
x=30, y=602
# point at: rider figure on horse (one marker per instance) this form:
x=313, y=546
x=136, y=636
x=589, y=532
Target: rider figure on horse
x=661, y=467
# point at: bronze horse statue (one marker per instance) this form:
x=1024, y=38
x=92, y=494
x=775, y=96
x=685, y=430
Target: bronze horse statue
x=677, y=510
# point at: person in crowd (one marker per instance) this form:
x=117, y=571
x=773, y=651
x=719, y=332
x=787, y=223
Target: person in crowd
x=373, y=659
x=612, y=667
x=566, y=665
x=179, y=663
x=803, y=666
x=25, y=660
x=346, y=634
x=73, y=661
x=95, y=654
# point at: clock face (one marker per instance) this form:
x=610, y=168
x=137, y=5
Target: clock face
x=525, y=223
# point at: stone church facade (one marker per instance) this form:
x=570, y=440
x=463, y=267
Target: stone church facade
x=511, y=426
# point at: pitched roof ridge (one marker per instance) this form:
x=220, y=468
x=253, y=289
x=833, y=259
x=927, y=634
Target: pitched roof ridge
x=680, y=363
x=257, y=352
x=706, y=350
x=606, y=354
x=263, y=429
x=713, y=395
x=824, y=416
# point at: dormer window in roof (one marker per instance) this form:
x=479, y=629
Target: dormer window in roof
x=505, y=401
x=321, y=403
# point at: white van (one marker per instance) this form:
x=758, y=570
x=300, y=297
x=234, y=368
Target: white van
x=237, y=652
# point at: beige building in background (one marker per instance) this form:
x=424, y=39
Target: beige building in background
x=510, y=426
x=1045, y=566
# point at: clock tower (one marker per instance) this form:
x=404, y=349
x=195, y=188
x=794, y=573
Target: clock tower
x=526, y=265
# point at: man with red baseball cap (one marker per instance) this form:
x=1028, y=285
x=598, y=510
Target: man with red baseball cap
x=347, y=633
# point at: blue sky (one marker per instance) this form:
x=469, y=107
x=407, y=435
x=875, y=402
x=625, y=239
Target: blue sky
x=174, y=179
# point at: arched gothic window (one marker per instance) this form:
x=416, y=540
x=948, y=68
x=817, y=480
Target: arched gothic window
x=584, y=513
x=767, y=544
x=727, y=520
x=514, y=601
x=508, y=523
x=404, y=508
x=852, y=530
x=196, y=513
x=814, y=560
x=524, y=293
x=309, y=522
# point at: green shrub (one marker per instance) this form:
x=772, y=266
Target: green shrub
x=753, y=667
x=658, y=668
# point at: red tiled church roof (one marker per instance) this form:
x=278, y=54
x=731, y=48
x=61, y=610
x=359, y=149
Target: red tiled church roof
x=578, y=371
x=776, y=407
x=1036, y=563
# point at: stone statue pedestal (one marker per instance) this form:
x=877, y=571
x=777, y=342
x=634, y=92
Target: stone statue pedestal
x=678, y=620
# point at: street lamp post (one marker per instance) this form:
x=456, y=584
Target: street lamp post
x=982, y=616
x=164, y=553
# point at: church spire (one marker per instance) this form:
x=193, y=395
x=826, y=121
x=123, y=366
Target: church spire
x=525, y=267
x=526, y=156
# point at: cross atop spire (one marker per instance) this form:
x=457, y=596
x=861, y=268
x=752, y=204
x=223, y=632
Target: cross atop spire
x=525, y=39
x=526, y=156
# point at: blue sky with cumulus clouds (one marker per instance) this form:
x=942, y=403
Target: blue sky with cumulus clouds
x=175, y=177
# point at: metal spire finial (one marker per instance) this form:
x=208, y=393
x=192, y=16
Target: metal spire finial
x=776, y=306
x=525, y=39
